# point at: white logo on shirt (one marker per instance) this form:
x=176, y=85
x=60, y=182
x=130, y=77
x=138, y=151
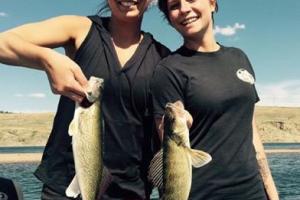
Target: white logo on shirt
x=245, y=76
x=3, y=196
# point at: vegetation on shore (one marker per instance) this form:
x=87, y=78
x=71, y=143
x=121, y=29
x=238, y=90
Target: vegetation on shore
x=278, y=124
x=275, y=124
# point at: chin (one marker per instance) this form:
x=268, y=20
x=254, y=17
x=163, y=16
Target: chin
x=132, y=16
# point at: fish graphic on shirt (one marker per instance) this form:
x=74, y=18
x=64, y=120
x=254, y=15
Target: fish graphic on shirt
x=245, y=76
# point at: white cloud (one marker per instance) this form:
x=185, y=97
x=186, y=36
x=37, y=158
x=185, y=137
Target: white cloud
x=3, y=14
x=32, y=95
x=284, y=93
x=18, y=95
x=37, y=95
x=229, y=30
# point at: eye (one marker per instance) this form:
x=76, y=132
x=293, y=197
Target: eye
x=174, y=5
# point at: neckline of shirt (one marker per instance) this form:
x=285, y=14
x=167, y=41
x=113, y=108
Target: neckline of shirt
x=146, y=41
x=190, y=52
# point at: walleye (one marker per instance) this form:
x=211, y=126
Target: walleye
x=171, y=168
x=86, y=130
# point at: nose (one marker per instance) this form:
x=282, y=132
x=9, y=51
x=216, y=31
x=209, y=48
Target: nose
x=184, y=6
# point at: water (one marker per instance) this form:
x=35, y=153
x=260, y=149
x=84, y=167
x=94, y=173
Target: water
x=285, y=170
x=23, y=174
x=29, y=149
x=280, y=146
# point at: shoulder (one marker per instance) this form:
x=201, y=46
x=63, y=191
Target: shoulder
x=161, y=49
x=234, y=51
x=72, y=25
x=170, y=66
x=172, y=61
x=75, y=22
x=70, y=21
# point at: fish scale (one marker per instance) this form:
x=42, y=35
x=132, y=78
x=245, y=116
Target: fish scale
x=171, y=168
x=86, y=132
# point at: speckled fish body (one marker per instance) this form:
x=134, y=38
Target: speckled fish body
x=86, y=129
x=177, y=157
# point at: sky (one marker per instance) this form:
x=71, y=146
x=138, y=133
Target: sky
x=267, y=31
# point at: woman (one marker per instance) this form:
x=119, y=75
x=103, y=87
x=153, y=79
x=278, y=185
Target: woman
x=115, y=49
x=216, y=85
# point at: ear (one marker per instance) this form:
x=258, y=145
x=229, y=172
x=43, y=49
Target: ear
x=213, y=4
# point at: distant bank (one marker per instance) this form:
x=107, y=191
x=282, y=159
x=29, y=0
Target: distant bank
x=275, y=125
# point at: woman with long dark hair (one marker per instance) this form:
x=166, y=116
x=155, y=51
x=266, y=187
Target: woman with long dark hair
x=216, y=85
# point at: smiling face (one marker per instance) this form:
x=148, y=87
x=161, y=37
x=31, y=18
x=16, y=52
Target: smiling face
x=128, y=9
x=191, y=17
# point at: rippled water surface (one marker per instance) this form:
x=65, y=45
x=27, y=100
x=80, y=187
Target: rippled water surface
x=285, y=169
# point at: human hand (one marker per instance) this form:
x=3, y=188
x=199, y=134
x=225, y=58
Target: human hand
x=65, y=76
x=188, y=116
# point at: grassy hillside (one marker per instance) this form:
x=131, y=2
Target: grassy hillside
x=25, y=129
x=275, y=124
x=278, y=124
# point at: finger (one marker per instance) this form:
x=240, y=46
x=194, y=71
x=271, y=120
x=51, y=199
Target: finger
x=75, y=97
x=189, y=119
x=161, y=125
x=80, y=77
x=77, y=88
x=179, y=104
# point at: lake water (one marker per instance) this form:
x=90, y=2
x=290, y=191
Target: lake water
x=285, y=169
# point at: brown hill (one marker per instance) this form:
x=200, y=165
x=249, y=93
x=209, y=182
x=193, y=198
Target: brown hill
x=278, y=124
x=275, y=124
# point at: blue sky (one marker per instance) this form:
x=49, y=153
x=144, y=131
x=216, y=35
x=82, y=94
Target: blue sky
x=268, y=31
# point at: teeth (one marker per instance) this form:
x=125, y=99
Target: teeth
x=189, y=20
x=127, y=3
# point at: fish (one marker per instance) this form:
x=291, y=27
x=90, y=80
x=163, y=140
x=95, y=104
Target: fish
x=171, y=168
x=86, y=131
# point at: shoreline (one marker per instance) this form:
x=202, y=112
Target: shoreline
x=10, y=158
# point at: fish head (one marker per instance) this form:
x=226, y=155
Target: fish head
x=175, y=120
x=94, y=88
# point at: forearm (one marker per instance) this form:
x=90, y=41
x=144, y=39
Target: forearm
x=263, y=165
x=16, y=51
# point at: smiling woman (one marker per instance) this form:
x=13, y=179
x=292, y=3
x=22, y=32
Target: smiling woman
x=126, y=58
x=216, y=85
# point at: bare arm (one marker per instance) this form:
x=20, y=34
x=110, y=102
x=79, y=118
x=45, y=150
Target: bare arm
x=263, y=165
x=30, y=46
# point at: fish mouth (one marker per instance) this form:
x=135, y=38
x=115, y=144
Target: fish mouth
x=173, y=110
x=93, y=91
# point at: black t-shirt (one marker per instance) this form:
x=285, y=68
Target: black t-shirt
x=217, y=88
x=125, y=106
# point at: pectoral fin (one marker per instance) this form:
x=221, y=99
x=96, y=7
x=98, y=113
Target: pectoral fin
x=73, y=189
x=74, y=123
x=71, y=128
x=199, y=158
x=155, y=174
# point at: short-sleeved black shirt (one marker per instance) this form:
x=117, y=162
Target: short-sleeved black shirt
x=125, y=106
x=217, y=89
